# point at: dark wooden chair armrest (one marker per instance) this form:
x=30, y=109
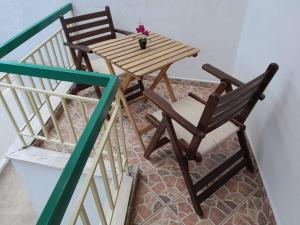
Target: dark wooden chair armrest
x=221, y=75
x=120, y=31
x=168, y=109
x=78, y=47
x=225, y=77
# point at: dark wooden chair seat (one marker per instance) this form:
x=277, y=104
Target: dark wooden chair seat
x=84, y=31
x=195, y=126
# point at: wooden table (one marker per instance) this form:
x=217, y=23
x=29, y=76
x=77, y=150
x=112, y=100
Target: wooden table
x=126, y=54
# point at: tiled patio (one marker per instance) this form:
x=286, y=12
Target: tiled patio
x=161, y=196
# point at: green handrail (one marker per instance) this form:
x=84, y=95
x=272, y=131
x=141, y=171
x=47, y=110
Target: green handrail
x=59, y=200
x=23, y=36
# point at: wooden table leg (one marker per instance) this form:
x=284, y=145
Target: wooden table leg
x=163, y=75
x=169, y=87
x=126, y=108
x=125, y=83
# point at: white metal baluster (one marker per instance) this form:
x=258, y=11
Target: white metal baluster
x=11, y=117
x=19, y=77
x=106, y=182
x=38, y=114
x=83, y=112
x=112, y=163
x=54, y=56
x=65, y=49
x=40, y=79
x=115, y=135
x=54, y=52
x=48, y=54
x=41, y=57
x=83, y=216
x=122, y=139
x=98, y=202
x=21, y=108
x=63, y=101
x=50, y=62
x=53, y=118
x=34, y=86
x=59, y=51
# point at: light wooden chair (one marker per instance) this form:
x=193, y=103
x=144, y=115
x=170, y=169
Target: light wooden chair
x=195, y=126
x=88, y=29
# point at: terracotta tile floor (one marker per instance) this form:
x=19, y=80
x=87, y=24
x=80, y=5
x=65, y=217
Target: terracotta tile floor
x=161, y=196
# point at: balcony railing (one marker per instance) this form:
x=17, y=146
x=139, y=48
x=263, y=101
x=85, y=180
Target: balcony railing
x=35, y=81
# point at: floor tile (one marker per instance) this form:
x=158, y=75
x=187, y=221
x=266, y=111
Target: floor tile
x=163, y=217
x=165, y=180
x=145, y=205
x=257, y=210
x=215, y=211
x=235, y=220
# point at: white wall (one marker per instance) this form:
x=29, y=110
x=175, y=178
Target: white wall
x=271, y=33
x=17, y=15
x=213, y=26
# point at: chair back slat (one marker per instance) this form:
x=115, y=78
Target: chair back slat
x=236, y=104
x=87, y=25
x=90, y=28
x=90, y=34
x=96, y=40
x=89, y=16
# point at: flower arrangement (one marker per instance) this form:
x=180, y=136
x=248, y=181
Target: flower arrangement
x=144, y=35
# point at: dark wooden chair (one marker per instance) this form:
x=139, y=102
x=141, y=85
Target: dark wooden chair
x=195, y=126
x=85, y=30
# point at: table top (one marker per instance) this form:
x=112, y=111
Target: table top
x=125, y=53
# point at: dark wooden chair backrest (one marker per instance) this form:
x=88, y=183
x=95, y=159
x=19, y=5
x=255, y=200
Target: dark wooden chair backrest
x=99, y=25
x=236, y=104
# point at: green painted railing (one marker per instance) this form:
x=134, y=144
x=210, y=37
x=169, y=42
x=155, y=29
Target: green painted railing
x=63, y=191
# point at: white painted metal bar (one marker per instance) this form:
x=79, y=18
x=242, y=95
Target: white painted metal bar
x=20, y=107
x=83, y=216
x=64, y=48
x=19, y=77
x=67, y=114
x=11, y=117
x=68, y=96
x=53, y=52
x=48, y=54
x=34, y=87
x=106, y=183
x=97, y=201
x=83, y=112
x=51, y=140
x=122, y=135
x=41, y=57
x=53, y=117
x=117, y=144
x=38, y=114
x=112, y=163
x=59, y=51
x=34, y=62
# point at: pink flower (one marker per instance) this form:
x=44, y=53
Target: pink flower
x=146, y=33
x=140, y=29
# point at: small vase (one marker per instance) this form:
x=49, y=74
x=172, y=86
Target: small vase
x=143, y=43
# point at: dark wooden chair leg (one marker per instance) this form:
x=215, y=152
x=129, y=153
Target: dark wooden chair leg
x=244, y=146
x=155, y=140
x=184, y=167
x=98, y=91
